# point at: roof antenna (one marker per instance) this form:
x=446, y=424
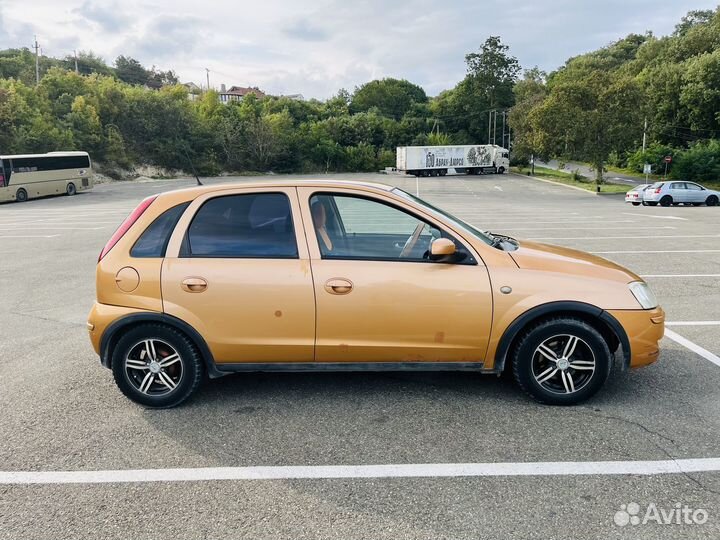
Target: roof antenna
x=197, y=179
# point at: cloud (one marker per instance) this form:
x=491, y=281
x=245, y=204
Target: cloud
x=315, y=48
x=306, y=31
x=166, y=37
x=108, y=16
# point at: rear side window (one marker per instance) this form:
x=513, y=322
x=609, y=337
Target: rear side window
x=153, y=242
x=243, y=226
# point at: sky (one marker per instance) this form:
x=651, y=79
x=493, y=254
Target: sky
x=316, y=48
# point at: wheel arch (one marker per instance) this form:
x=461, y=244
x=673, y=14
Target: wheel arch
x=608, y=326
x=114, y=332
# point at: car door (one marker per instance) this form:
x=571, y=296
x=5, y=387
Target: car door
x=678, y=192
x=378, y=297
x=694, y=193
x=237, y=270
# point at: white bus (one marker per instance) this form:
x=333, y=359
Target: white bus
x=27, y=176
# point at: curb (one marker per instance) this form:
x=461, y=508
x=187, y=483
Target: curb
x=565, y=185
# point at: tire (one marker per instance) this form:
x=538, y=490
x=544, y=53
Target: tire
x=501, y=170
x=185, y=372
x=644, y=203
x=71, y=189
x=636, y=204
x=21, y=195
x=443, y=172
x=712, y=200
x=579, y=377
x=666, y=200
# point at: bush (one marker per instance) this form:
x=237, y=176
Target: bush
x=654, y=155
x=700, y=162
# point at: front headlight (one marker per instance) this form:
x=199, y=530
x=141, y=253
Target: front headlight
x=643, y=294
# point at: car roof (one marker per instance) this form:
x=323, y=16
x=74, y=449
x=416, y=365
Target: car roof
x=195, y=191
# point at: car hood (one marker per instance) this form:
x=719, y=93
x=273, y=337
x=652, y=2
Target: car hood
x=548, y=258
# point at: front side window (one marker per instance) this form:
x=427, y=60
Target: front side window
x=694, y=187
x=256, y=225
x=350, y=227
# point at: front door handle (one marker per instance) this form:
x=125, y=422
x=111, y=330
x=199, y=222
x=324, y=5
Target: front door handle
x=194, y=284
x=338, y=286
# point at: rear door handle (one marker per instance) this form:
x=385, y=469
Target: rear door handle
x=338, y=286
x=194, y=284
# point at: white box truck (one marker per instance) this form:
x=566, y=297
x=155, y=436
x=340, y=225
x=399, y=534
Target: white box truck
x=467, y=159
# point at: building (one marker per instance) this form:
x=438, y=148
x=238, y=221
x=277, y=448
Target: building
x=193, y=90
x=237, y=93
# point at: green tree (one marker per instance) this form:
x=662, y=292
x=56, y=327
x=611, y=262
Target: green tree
x=391, y=97
x=131, y=71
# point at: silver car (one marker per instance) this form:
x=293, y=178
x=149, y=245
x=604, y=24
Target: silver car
x=635, y=195
x=667, y=193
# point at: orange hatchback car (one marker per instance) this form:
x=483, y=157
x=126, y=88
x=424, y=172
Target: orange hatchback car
x=330, y=275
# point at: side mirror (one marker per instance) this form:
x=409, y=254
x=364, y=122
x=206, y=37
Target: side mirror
x=441, y=248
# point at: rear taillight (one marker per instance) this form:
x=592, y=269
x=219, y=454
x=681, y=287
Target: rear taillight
x=658, y=190
x=125, y=226
x=2, y=179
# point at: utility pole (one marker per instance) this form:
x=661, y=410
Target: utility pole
x=37, y=62
x=207, y=74
x=644, y=133
x=489, y=124
x=503, y=128
x=76, y=65
x=494, y=126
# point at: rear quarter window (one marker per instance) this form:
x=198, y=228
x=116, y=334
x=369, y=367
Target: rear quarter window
x=154, y=240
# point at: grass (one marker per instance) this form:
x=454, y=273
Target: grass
x=573, y=180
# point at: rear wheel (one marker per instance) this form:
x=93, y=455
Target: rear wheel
x=443, y=172
x=712, y=200
x=71, y=190
x=21, y=195
x=666, y=200
x=156, y=366
x=636, y=204
x=561, y=361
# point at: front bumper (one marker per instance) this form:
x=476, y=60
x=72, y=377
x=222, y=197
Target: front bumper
x=644, y=328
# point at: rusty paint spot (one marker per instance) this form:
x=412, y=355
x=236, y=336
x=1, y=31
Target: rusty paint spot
x=439, y=337
x=278, y=313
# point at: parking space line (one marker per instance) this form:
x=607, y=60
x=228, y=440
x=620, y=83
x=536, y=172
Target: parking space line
x=694, y=347
x=660, y=251
x=424, y=470
x=655, y=217
x=570, y=226
x=29, y=236
x=621, y=237
x=678, y=275
x=692, y=323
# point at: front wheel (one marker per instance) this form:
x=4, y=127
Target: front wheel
x=561, y=361
x=501, y=170
x=156, y=366
x=712, y=200
x=71, y=189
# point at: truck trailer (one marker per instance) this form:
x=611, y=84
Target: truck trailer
x=466, y=159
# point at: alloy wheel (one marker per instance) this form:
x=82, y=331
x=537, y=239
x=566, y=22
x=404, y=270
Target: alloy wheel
x=563, y=364
x=153, y=367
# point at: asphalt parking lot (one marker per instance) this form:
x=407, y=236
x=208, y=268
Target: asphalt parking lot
x=62, y=412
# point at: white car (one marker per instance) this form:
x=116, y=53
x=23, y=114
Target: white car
x=667, y=193
x=635, y=195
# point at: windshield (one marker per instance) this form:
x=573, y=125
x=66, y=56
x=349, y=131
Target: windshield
x=449, y=217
